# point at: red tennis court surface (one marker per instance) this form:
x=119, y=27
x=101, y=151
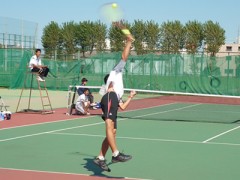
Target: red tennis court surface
x=11, y=174
x=21, y=119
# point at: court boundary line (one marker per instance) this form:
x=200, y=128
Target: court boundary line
x=166, y=111
x=47, y=132
x=230, y=112
x=85, y=117
x=218, y=135
x=64, y=173
x=92, y=124
x=148, y=139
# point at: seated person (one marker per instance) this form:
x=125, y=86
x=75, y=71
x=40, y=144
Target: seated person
x=90, y=96
x=83, y=104
x=36, y=66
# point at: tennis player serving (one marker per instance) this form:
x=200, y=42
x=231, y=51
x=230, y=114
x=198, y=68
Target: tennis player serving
x=110, y=103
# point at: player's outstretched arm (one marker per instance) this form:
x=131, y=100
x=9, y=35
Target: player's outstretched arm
x=124, y=105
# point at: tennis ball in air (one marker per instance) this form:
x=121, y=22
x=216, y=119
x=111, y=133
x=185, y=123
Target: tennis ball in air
x=114, y=5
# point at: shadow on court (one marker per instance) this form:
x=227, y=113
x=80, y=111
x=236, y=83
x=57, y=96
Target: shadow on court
x=96, y=171
x=183, y=119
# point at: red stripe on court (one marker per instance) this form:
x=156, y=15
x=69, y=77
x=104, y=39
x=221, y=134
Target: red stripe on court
x=12, y=174
x=21, y=119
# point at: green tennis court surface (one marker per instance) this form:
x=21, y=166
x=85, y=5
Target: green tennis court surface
x=165, y=143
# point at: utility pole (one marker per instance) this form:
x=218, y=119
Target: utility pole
x=238, y=38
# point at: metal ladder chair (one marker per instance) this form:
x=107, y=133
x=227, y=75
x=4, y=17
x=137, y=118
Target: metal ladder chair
x=3, y=105
x=43, y=96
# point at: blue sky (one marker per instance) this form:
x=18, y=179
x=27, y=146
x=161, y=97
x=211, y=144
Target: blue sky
x=225, y=12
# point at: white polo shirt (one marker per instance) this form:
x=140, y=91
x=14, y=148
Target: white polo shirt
x=35, y=61
x=115, y=77
x=79, y=104
x=117, y=80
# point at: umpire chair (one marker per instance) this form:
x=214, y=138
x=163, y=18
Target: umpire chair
x=44, y=96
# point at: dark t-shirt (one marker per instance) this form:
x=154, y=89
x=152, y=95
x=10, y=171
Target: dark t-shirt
x=80, y=90
x=109, y=105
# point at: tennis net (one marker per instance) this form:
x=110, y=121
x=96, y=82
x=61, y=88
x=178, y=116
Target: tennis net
x=171, y=106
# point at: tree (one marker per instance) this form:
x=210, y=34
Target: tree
x=51, y=38
x=193, y=36
x=172, y=36
x=69, y=38
x=152, y=35
x=214, y=37
x=84, y=33
x=90, y=36
x=138, y=31
x=116, y=39
x=100, y=31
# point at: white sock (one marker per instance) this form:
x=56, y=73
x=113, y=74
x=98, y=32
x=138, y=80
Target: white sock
x=101, y=158
x=115, y=153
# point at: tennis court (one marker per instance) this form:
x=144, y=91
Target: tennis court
x=169, y=140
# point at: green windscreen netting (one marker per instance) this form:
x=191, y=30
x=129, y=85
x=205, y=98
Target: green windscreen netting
x=165, y=72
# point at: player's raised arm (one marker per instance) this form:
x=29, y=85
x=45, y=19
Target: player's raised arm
x=129, y=37
x=127, y=48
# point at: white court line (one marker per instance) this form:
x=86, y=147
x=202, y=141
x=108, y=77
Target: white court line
x=204, y=111
x=54, y=172
x=47, y=132
x=93, y=124
x=84, y=117
x=165, y=111
x=147, y=139
x=225, y=132
x=46, y=122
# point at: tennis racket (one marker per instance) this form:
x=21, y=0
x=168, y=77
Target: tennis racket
x=113, y=13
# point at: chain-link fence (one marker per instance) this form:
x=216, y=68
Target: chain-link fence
x=165, y=72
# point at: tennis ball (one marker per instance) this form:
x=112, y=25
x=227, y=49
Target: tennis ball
x=114, y=5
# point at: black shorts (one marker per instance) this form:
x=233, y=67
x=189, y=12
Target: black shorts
x=113, y=117
x=109, y=105
x=44, y=71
